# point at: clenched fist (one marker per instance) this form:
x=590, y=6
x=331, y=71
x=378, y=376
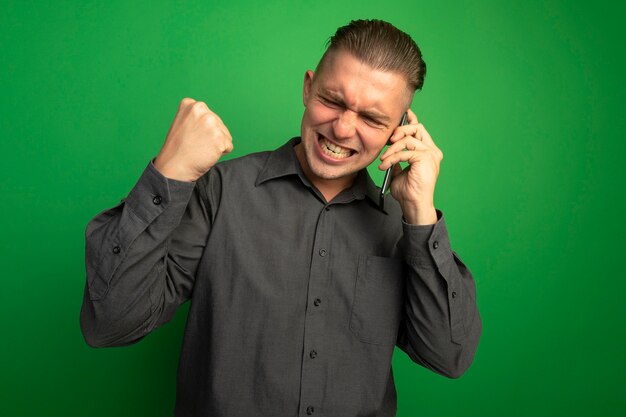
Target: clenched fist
x=195, y=142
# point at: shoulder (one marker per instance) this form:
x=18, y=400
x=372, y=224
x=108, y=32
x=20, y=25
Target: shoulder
x=240, y=167
x=253, y=162
x=235, y=174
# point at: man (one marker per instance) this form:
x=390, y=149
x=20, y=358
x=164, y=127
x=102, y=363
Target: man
x=300, y=283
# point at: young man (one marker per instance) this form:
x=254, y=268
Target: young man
x=300, y=283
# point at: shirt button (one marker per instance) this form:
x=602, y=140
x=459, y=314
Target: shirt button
x=327, y=208
x=157, y=200
x=453, y=294
x=310, y=410
x=317, y=302
x=313, y=354
x=322, y=252
x=116, y=249
x=435, y=244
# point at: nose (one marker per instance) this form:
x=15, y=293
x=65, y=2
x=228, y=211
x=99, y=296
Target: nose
x=344, y=126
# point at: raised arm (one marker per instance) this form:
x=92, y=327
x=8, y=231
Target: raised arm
x=140, y=259
x=141, y=256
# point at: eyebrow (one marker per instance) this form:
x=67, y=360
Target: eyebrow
x=381, y=117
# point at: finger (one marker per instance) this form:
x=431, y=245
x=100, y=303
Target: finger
x=200, y=108
x=225, y=130
x=186, y=102
x=184, y=106
x=228, y=148
x=408, y=143
x=411, y=117
x=423, y=133
x=403, y=131
x=409, y=156
x=406, y=156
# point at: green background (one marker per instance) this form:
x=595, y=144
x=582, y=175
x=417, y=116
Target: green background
x=525, y=99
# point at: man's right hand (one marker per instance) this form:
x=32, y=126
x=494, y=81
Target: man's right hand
x=195, y=142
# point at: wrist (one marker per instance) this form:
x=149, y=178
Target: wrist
x=173, y=171
x=422, y=214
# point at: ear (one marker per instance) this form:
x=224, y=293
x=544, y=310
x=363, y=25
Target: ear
x=306, y=89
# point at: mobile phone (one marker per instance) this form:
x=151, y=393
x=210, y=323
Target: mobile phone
x=387, y=180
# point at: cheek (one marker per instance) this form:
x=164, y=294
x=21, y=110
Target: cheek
x=318, y=114
x=373, y=142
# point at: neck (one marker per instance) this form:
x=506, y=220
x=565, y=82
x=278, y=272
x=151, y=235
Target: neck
x=329, y=187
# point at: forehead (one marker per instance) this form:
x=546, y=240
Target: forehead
x=361, y=85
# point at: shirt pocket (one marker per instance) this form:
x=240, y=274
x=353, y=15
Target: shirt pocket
x=378, y=300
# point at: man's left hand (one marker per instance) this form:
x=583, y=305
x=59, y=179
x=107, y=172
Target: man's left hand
x=414, y=186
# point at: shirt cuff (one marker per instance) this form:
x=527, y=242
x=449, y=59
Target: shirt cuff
x=427, y=245
x=156, y=195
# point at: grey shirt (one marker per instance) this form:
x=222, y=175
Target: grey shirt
x=296, y=303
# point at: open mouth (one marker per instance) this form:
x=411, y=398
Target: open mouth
x=333, y=150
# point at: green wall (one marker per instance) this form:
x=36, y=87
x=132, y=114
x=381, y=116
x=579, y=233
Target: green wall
x=525, y=99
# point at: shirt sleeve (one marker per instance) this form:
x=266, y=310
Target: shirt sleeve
x=141, y=258
x=441, y=326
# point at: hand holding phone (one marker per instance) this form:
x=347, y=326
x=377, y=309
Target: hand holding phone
x=413, y=186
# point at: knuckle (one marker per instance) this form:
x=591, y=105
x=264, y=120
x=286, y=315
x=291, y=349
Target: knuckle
x=209, y=118
x=226, y=147
x=199, y=107
x=186, y=102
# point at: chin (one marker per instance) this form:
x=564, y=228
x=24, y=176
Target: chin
x=326, y=171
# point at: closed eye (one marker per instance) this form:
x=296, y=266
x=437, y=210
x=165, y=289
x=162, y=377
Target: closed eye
x=370, y=119
x=374, y=122
x=330, y=103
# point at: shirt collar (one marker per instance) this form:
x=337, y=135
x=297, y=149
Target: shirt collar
x=284, y=162
x=364, y=187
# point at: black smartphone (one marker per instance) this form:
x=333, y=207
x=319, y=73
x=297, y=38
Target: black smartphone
x=387, y=180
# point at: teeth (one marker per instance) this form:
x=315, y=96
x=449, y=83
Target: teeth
x=333, y=150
